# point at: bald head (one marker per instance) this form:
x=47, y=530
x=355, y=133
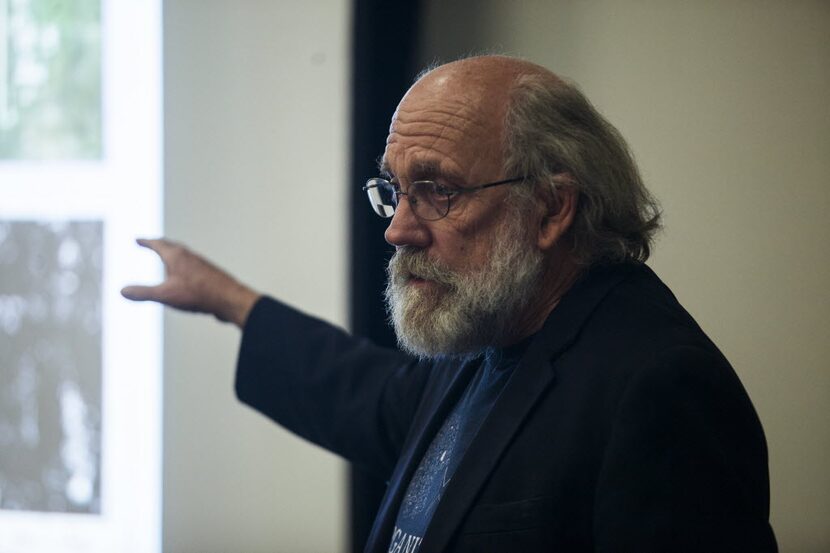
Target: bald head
x=494, y=72
x=454, y=116
x=483, y=82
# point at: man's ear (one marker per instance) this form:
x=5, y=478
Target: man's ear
x=561, y=209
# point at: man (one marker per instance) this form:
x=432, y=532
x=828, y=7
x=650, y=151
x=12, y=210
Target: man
x=553, y=395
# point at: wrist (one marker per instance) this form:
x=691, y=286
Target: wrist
x=238, y=303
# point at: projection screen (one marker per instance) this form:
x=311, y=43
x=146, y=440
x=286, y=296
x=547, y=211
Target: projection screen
x=80, y=368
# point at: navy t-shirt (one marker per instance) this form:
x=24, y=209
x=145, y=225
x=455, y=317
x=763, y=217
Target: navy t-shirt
x=449, y=445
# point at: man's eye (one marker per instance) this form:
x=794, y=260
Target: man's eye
x=443, y=190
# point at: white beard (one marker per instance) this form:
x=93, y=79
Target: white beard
x=463, y=313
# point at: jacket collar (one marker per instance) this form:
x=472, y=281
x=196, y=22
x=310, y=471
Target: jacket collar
x=565, y=322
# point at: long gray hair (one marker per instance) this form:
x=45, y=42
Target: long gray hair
x=551, y=128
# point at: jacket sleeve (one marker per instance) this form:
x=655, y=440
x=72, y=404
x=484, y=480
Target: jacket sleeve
x=686, y=466
x=340, y=392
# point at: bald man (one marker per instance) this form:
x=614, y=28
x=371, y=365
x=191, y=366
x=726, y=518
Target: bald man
x=551, y=394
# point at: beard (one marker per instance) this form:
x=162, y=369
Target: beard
x=462, y=313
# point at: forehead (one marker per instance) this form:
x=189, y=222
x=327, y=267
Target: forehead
x=445, y=129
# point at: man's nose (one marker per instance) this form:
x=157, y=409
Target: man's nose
x=405, y=229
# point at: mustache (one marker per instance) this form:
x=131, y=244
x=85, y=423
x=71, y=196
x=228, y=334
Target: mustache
x=409, y=262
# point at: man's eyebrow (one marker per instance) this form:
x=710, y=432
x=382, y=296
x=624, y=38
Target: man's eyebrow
x=426, y=169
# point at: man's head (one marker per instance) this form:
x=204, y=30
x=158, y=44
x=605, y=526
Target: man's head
x=490, y=271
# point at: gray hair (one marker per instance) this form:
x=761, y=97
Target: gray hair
x=551, y=128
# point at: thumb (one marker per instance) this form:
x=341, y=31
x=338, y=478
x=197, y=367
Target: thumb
x=142, y=293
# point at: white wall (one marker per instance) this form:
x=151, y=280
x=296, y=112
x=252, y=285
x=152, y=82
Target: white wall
x=725, y=104
x=256, y=165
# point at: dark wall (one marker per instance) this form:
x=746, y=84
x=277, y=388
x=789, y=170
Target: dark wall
x=384, y=46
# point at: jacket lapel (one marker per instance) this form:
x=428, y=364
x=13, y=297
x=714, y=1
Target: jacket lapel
x=428, y=419
x=531, y=379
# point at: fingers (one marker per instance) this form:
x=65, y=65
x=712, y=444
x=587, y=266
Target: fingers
x=161, y=246
x=191, y=282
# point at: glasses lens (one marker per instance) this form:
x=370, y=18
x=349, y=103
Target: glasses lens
x=429, y=200
x=381, y=196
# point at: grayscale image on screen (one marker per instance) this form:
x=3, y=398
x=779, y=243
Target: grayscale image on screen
x=50, y=365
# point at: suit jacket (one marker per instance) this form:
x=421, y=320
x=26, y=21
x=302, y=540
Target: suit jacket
x=623, y=429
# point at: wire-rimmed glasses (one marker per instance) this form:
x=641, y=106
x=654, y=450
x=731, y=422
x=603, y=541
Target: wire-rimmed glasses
x=428, y=199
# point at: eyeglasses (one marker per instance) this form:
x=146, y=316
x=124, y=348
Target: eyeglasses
x=429, y=200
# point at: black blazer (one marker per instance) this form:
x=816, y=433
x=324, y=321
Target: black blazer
x=623, y=429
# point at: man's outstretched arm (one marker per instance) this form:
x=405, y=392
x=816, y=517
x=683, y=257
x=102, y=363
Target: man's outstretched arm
x=193, y=283
x=343, y=393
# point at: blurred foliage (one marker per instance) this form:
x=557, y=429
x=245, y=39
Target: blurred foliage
x=50, y=79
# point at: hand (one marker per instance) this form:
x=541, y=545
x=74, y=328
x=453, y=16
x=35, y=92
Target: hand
x=194, y=284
